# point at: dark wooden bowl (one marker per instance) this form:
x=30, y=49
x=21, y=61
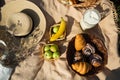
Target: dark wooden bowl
x=99, y=47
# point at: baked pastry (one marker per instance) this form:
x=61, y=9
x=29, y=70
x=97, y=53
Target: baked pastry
x=82, y=67
x=96, y=60
x=88, y=49
x=79, y=42
x=78, y=56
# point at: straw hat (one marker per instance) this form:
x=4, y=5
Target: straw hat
x=24, y=18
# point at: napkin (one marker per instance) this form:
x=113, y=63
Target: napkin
x=5, y=72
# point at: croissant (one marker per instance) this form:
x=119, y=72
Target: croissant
x=81, y=67
x=79, y=3
x=79, y=42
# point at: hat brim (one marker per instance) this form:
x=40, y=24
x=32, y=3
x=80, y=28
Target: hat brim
x=33, y=11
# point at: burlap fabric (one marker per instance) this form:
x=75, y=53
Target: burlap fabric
x=36, y=68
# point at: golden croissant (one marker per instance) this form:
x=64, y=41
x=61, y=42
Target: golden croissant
x=79, y=42
x=82, y=67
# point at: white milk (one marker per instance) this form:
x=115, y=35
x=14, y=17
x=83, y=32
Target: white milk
x=90, y=18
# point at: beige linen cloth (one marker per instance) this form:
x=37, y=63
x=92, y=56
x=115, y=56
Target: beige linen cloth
x=36, y=68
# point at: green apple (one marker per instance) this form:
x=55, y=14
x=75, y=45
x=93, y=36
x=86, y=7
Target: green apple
x=54, y=48
x=46, y=48
x=55, y=29
x=48, y=54
x=56, y=55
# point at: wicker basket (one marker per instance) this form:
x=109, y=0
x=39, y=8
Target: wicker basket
x=83, y=3
x=100, y=50
x=51, y=59
x=51, y=32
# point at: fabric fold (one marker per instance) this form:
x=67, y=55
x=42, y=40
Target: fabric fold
x=33, y=68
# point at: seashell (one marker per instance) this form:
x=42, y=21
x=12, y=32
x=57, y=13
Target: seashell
x=79, y=42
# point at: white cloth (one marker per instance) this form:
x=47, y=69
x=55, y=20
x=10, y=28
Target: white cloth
x=5, y=72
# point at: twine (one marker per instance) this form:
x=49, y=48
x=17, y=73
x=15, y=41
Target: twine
x=115, y=15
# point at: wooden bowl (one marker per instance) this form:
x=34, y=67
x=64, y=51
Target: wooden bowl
x=100, y=50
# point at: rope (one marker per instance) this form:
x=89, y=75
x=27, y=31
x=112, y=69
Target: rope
x=115, y=15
